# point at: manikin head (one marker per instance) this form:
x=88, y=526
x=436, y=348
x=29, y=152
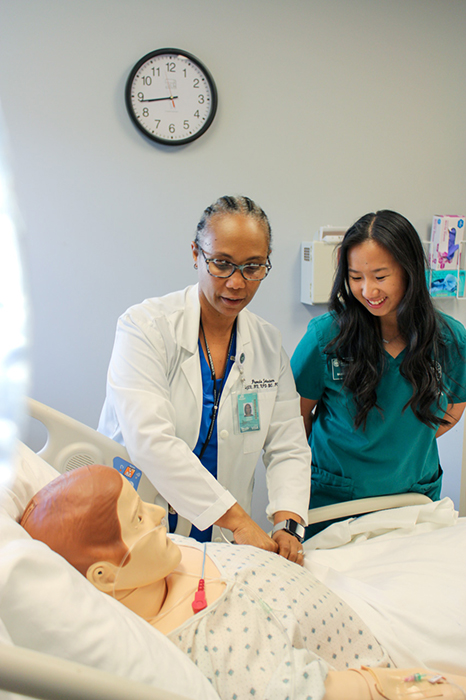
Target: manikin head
x=93, y=517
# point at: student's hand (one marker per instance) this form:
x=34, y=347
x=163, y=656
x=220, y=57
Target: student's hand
x=245, y=530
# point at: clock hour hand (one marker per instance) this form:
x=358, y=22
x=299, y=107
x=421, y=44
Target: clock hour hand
x=158, y=99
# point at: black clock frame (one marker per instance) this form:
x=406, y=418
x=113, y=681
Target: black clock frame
x=209, y=78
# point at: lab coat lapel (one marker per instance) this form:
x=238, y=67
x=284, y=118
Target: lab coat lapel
x=243, y=348
x=189, y=342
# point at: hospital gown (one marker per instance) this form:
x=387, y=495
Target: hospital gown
x=275, y=631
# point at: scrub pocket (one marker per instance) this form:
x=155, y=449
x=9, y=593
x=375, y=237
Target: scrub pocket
x=326, y=489
x=432, y=488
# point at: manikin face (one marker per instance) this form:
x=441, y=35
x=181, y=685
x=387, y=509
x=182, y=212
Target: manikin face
x=153, y=554
x=376, y=279
x=236, y=238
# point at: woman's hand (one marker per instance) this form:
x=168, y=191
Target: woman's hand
x=288, y=545
x=245, y=530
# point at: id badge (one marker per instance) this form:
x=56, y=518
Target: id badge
x=248, y=412
x=337, y=371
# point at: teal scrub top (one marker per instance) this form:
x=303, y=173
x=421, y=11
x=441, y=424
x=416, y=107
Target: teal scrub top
x=396, y=452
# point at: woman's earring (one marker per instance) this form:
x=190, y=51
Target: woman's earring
x=195, y=266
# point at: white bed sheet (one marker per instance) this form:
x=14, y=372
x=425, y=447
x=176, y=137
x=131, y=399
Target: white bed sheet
x=404, y=573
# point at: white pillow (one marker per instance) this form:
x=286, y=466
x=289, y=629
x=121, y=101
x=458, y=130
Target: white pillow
x=48, y=606
x=31, y=474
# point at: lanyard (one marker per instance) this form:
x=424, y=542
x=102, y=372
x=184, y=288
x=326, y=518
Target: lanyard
x=217, y=390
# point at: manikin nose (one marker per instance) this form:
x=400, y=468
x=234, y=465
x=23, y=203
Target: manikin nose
x=157, y=514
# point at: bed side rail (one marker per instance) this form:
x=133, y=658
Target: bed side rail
x=71, y=444
x=347, y=509
x=39, y=675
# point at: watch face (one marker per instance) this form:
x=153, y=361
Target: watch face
x=171, y=97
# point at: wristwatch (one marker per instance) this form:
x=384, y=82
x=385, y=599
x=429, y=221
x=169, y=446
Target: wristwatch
x=291, y=526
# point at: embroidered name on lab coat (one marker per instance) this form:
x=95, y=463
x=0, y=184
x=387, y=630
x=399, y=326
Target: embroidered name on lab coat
x=262, y=384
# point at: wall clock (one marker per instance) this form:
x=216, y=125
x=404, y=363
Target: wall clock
x=171, y=96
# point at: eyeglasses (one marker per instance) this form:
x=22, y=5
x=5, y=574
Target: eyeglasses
x=252, y=272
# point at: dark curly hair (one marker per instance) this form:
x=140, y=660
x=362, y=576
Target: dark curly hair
x=234, y=205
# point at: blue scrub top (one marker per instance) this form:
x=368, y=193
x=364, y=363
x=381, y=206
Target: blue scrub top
x=210, y=457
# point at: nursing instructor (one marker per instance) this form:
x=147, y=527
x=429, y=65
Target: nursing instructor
x=199, y=387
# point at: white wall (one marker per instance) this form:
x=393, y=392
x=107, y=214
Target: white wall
x=327, y=109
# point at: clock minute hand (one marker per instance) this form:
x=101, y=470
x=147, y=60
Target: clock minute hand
x=158, y=99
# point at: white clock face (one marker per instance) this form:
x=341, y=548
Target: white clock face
x=171, y=97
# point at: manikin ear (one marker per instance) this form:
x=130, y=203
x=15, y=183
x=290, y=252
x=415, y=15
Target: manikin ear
x=102, y=575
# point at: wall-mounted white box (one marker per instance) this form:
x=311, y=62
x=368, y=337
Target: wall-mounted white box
x=318, y=261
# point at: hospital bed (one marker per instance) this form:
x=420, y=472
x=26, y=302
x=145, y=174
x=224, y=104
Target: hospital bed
x=114, y=654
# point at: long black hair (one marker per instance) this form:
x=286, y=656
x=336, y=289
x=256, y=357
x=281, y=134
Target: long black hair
x=358, y=344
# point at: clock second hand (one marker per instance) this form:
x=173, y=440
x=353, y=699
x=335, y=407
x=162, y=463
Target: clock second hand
x=168, y=86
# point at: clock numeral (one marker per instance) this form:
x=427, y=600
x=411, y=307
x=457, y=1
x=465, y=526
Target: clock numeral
x=196, y=82
x=171, y=65
x=158, y=71
x=185, y=124
x=201, y=99
x=157, y=122
x=196, y=113
x=171, y=128
x=146, y=80
x=140, y=96
x=145, y=112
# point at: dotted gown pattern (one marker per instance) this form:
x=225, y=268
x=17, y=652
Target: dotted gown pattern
x=275, y=631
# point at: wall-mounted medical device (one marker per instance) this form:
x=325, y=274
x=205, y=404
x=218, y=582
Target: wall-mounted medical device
x=318, y=259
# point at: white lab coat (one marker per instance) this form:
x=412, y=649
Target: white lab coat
x=154, y=406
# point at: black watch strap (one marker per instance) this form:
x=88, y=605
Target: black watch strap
x=291, y=526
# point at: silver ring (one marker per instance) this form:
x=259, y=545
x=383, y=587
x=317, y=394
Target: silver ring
x=300, y=551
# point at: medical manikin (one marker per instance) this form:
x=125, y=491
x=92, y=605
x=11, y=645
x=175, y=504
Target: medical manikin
x=248, y=618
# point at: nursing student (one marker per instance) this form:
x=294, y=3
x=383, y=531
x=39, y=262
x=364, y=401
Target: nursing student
x=183, y=371
x=382, y=374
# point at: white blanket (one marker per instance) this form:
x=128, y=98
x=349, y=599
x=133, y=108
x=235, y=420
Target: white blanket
x=404, y=573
